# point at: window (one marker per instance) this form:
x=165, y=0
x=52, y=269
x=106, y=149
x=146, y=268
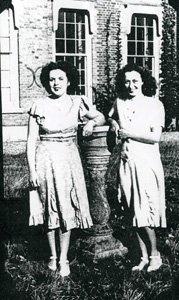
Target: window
x=141, y=41
x=8, y=63
x=73, y=44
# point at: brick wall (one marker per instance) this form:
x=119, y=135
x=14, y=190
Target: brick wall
x=107, y=19
x=35, y=49
x=36, y=41
x=35, y=46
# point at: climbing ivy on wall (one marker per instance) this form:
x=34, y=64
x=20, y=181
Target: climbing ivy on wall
x=168, y=66
x=105, y=94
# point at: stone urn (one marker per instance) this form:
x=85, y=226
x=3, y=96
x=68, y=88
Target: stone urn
x=99, y=242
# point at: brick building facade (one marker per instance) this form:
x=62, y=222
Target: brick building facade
x=90, y=33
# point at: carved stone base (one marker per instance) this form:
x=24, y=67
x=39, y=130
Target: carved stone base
x=98, y=242
x=99, y=247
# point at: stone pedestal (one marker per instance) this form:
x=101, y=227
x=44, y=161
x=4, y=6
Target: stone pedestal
x=99, y=242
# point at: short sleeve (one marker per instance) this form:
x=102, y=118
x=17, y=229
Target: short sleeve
x=37, y=109
x=158, y=114
x=85, y=107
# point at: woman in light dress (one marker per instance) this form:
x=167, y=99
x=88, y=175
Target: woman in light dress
x=55, y=168
x=137, y=118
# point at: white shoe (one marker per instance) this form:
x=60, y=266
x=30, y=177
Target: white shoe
x=52, y=264
x=157, y=262
x=64, y=268
x=144, y=262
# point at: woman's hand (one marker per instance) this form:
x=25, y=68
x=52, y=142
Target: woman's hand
x=114, y=127
x=88, y=128
x=123, y=134
x=33, y=179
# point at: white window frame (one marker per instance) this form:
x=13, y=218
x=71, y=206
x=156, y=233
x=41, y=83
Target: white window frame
x=145, y=55
x=127, y=11
x=12, y=104
x=89, y=8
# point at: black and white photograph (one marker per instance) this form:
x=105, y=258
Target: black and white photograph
x=89, y=150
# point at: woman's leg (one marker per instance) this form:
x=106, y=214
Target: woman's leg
x=52, y=264
x=148, y=234
x=144, y=235
x=143, y=248
x=64, y=246
x=155, y=259
x=152, y=239
x=51, y=242
x=144, y=258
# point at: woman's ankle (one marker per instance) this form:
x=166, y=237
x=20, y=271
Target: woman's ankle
x=155, y=253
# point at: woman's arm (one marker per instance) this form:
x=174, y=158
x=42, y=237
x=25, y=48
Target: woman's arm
x=95, y=118
x=33, y=132
x=114, y=126
x=151, y=137
x=153, y=134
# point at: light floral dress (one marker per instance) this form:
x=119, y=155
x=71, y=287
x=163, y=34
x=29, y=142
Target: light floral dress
x=141, y=176
x=62, y=185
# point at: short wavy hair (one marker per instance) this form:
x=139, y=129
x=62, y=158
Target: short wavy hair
x=149, y=86
x=67, y=67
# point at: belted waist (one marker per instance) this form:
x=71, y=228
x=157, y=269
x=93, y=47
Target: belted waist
x=58, y=139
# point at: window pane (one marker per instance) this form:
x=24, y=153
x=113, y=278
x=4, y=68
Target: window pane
x=140, y=48
x=5, y=62
x=150, y=36
x=140, y=21
x=82, y=77
x=60, y=46
x=6, y=98
x=131, y=36
x=140, y=61
x=5, y=79
x=61, y=16
x=133, y=20
x=71, y=41
x=71, y=59
x=140, y=34
x=141, y=41
x=8, y=62
x=5, y=45
x=70, y=31
x=149, y=50
x=80, y=18
x=60, y=31
x=149, y=21
x=70, y=46
x=148, y=62
x=80, y=31
x=70, y=17
x=82, y=90
x=131, y=48
x=4, y=29
x=80, y=46
x=130, y=60
x=60, y=58
x=80, y=62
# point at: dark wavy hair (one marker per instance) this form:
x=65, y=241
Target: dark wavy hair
x=149, y=86
x=71, y=73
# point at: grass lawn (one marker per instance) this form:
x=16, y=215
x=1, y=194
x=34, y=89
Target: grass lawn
x=25, y=274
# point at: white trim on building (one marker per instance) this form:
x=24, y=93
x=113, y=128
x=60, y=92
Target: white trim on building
x=155, y=10
x=88, y=9
x=9, y=62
